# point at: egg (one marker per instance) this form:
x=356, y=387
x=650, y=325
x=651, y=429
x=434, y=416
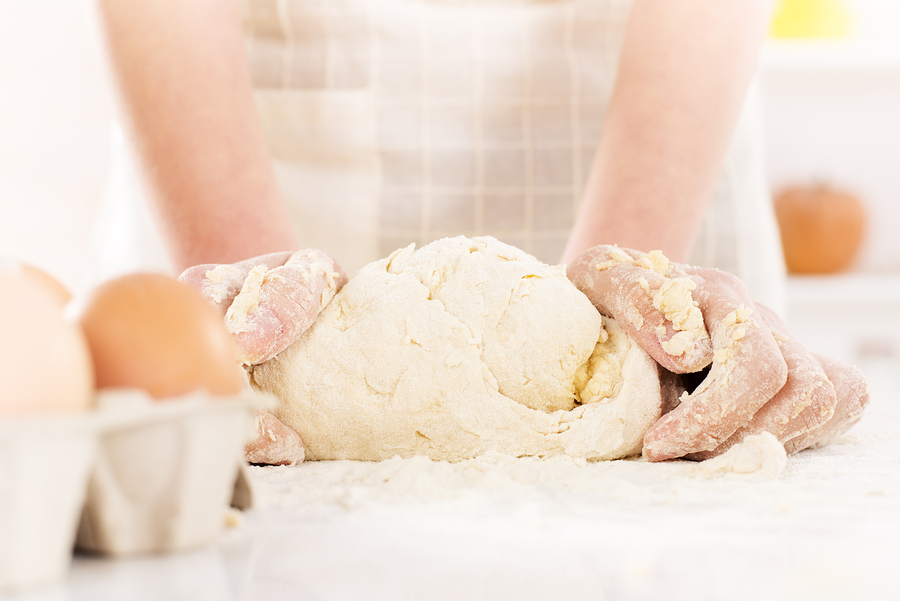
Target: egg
x=49, y=282
x=150, y=331
x=45, y=364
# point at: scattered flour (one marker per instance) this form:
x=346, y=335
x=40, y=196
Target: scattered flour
x=518, y=480
x=759, y=454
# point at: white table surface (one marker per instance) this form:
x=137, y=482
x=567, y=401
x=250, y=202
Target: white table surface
x=827, y=528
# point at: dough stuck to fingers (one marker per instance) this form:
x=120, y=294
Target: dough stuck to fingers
x=276, y=305
x=651, y=299
x=804, y=403
x=220, y=284
x=747, y=371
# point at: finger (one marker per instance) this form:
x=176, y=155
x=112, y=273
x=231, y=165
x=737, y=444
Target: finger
x=808, y=398
x=650, y=299
x=804, y=403
x=275, y=306
x=852, y=395
x=273, y=443
x=221, y=283
x=747, y=370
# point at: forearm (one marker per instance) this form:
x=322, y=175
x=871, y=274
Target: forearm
x=683, y=75
x=188, y=103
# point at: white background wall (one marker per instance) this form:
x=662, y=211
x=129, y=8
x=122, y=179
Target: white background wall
x=831, y=113
x=55, y=118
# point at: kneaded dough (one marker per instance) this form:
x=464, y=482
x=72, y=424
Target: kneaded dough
x=458, y=348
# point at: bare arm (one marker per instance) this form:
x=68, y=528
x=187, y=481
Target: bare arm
x=683, y=74
x=188, y=102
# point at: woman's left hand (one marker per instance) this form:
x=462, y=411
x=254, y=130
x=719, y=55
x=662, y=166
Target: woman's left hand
x=760, y=378
x=267, y=302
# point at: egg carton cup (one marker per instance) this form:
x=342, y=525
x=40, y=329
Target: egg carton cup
x=45, y=463
x=166, y=471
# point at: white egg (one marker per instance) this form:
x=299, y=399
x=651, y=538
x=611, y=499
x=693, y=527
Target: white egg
x=45, y=364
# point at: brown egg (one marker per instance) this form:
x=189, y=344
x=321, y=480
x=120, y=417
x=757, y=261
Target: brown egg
x=152, y=332
x=45, y=365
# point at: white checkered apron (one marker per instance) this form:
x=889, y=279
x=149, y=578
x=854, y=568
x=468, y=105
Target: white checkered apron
x=399, y=121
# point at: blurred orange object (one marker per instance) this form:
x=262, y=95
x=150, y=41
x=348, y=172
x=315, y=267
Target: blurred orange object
x=821, y=228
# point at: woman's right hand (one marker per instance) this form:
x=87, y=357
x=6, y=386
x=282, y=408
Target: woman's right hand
x=267, y=302
x=760, y=379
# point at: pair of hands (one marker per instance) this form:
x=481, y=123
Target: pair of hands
x=688, y=319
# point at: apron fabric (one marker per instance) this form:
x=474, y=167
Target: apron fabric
x=393, y=122
x=402, y=121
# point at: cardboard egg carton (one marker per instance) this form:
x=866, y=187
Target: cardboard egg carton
x=136, y=475
x=165, y=476
x=45, y=463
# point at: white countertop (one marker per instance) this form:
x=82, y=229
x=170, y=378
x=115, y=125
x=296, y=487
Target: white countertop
x=827, y=528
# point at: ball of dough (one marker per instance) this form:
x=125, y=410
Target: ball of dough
x=458, y=348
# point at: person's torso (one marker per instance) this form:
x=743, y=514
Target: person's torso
x=411, y=120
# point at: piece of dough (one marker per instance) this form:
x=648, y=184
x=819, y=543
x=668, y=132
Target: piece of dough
x=458, y=348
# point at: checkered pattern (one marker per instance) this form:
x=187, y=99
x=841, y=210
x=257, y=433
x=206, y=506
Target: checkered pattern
x=487, y=113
